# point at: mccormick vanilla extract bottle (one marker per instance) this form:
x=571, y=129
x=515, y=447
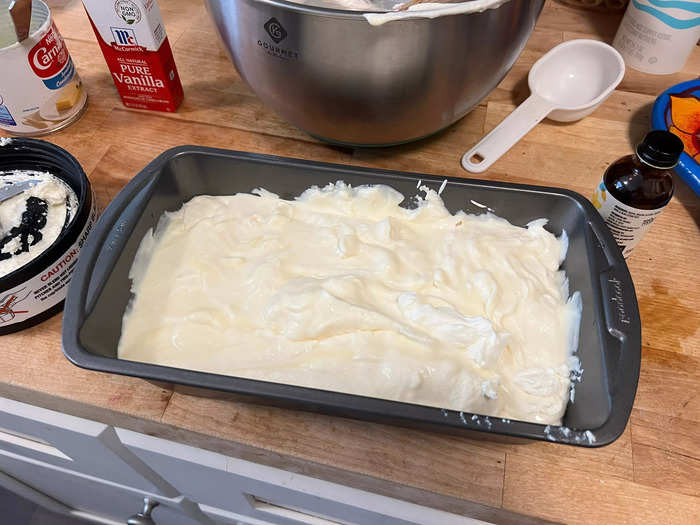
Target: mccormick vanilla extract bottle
x=133, y=41
x=637, y=187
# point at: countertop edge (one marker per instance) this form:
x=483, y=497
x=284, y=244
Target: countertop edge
x=265, y=457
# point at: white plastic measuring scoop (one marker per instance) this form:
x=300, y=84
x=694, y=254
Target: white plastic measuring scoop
x=566, y=84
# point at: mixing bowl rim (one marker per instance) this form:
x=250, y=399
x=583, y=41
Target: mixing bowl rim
x=346, y=13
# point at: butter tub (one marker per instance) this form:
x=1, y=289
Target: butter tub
x=36, y=290
x=610, y=336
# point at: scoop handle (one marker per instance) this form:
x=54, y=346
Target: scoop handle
x=504, y=136
x=21, y=13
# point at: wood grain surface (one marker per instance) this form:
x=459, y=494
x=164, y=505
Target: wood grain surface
x=650, y=475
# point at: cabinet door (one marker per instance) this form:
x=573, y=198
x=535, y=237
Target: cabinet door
x=102, y=502
x=75, y=444
x=223, y=517
x=232, y=490
x=28, y=493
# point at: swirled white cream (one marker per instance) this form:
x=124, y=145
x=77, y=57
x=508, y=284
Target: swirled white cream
x=342, y=289
x=379, y=12
x=21, y=240
x=433, y=10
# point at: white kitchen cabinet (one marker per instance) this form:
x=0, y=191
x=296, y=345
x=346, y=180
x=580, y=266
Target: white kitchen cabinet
x=262, y=494
x=89, y=469
x=75, y=444
x=222, y=517
x=31, y=494
x=99, y=501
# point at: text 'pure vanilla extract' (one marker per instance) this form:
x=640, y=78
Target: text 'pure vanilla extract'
x=136, y=48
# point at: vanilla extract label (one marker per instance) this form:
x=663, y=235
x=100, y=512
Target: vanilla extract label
x=137, y=76
x=136, y=48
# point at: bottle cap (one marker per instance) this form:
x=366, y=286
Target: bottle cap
x=660, y=149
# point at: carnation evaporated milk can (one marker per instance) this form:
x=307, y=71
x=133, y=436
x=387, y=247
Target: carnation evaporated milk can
x=136, y=48
x=40, y=91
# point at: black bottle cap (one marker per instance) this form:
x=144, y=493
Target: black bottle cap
x=660, y=149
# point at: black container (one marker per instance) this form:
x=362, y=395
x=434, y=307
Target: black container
x=36, y=291
x=610, y=339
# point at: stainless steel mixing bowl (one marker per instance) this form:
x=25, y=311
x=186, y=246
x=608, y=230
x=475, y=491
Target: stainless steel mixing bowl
x=341, y=79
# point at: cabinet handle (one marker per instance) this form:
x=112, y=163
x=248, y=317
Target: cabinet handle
x=144, y=517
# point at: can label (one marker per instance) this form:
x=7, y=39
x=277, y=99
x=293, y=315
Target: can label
x=657, y=37
x=47, y=288
x=627, y=224
x=40, y=90
x=133, y=41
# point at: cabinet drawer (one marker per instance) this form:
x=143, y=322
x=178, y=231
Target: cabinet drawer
x=110, y=503
x=75, y=444
x=260, y=495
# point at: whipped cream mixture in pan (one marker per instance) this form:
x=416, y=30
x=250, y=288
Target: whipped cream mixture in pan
x=343, y=289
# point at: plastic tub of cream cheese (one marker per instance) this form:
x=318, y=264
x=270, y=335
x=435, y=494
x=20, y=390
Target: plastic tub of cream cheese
x=42, y=229
x=609, y=347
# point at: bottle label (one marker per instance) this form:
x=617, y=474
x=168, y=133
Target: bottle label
x=627, y=224
x=658, y=37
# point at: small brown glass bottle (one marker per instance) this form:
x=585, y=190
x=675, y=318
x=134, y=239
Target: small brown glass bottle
x=637, y=187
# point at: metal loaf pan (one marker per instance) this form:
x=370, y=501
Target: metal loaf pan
x=610, y=339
